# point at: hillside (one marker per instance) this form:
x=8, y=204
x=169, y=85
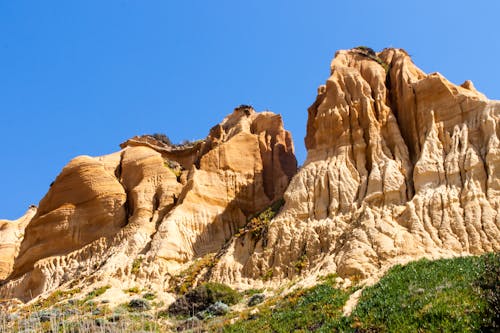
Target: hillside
x=401, y=165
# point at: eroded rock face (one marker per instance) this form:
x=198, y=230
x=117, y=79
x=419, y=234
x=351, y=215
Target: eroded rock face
x=247, y=163
x=11, y=236
x=400, y=165
x=152, y=203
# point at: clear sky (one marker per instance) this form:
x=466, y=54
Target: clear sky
x=80, y=77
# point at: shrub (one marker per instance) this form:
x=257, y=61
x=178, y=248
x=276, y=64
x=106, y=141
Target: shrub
x=185, y=281
x=422, y=296
x=132, y=290
x=366, y=49
x=97, y=292
x=162, y=138
x=149, y=296
x=488, y=285
x=136, y=265
x=201, y=297
x=56, y=297
x=256, y=299
x=221, y=292
x=251, y=292
x=138, y=304
x=301, y=263
x=370, y=53
x=257, y=224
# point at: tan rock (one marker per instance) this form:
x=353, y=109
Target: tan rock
x=151, y=205
x=247, y=165
x=11, y=236
x=84, y=203
x=400, y=165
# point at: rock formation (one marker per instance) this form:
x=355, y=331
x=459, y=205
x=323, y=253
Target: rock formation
x=11, y=235
x=167, y=204
x=400, y=165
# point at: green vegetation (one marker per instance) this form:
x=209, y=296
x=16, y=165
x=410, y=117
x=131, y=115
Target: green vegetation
x=56, y=297
x=424, y=296
x=132, y=290
x=257, y=224
x=161, y=137
x=98, y=292
x=268, y=275
x=149, y=296
x=448, y=295
x=366, y=49
x=174, y=167
x=251, y=292
x=370, y=53
x=185, y=280
x=95, y=293
x=489, y=291
x=136, y=265
x=61, y=313
x=218, y=292
x=301, y=263
x=316, y=309
x=201, y=297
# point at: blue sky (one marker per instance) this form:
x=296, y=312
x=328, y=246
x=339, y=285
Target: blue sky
x=80, y=77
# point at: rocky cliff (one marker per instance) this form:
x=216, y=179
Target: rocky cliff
x=151, y=202
x=400, y=165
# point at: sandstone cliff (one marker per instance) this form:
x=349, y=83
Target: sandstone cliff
x=167, y=204
x=11, y=235
x=400, y=165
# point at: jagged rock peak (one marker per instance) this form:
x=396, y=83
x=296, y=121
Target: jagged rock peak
x=400, y=164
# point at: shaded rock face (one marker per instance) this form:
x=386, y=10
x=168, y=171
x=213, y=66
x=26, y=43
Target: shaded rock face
x=151, y=203
x=400, y=165
x=11, y=236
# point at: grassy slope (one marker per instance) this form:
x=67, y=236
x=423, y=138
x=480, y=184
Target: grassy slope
x=423, y=296
x=318, y=308
x=453, y=295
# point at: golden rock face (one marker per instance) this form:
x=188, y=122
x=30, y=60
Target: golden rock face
x=168, y=204
x=400, y=165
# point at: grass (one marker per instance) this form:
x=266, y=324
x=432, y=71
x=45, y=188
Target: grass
x=149, y=296
x=56, y=297
x=96, y=292
x=448, y=295
x=424, y=296
x=315, y=309
x=251, y=292
x=60, y=313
